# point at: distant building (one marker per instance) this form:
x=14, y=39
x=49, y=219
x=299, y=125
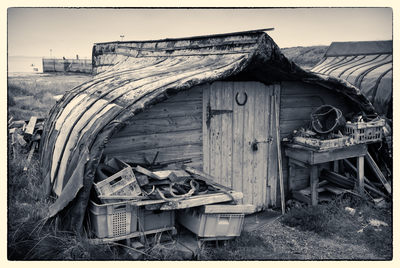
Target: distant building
x=67, y=65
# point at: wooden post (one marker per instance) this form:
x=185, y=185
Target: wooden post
x=292, y=174
x=378, y=173
x=336, y=166
x=278, y=144
x=31, y=126
x=360, y=174
x=14, y=150
x=28, y=161
x=314, y=185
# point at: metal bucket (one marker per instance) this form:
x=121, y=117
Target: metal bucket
x=326, y=119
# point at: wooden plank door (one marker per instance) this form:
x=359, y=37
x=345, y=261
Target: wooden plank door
x=238, y=138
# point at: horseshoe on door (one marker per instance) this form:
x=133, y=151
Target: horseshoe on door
x=237, y=100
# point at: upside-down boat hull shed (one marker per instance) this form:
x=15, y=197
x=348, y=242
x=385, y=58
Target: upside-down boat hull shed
x=367, y=65
x=205, y=99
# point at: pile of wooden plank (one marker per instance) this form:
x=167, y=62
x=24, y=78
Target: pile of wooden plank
x=333, y=184
x=25, y=137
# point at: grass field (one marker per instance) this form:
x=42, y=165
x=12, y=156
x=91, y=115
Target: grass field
x=33, y=94
x=323, y=232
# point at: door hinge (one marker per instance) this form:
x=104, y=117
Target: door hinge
x=210, y=113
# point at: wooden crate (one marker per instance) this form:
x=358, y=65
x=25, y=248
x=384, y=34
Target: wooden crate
x=324, y=144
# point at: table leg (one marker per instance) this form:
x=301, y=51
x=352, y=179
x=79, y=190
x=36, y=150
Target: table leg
x=360, y=174
x=314, y=185
x=336, y=166
x=292, y=175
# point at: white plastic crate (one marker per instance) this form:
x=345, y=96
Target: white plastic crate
x=218, y=225
x=122, y=183
x=114, y=219
x=365, y=132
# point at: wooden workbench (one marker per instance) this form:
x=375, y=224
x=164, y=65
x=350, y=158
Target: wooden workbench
x=311, y=158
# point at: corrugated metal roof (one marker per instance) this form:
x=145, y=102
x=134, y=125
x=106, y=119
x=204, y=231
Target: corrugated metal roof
x=134, y=75
x=366, y=65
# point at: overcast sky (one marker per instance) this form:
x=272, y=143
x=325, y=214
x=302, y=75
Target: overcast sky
x=67, y=32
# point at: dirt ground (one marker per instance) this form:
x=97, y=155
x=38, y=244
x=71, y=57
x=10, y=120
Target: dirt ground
x=325, y=232
x=291, y=243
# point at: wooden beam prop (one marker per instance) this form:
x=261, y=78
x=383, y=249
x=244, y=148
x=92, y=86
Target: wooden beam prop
x=335, y=190
x=199, y=200
x=354, y=170
x=345, y=182
x=301, y=197
x=28, y=161
x=204, y=177
x=20, y=139
x=223, y=208
x=10, y=121
x=378, y=173
x=146, y=172
x=31, y=126
x=17, y=124
x=278, y=144
x=337, y=179
x=373, y=189
x=97, y=241
x=14, y=150
x=307, y=190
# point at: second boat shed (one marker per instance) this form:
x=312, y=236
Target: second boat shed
x=368, y=65
x=206, y=100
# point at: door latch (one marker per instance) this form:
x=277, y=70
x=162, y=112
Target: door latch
x=254, y=144
x=210, y=113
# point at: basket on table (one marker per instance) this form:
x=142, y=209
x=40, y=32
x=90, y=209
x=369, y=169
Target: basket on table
x=365, y=132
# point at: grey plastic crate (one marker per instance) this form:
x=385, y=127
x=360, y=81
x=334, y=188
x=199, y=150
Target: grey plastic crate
x=113, y=219
x=152, y=220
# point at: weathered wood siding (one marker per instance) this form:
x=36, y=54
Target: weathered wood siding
x=298, y=101
x=173, y=128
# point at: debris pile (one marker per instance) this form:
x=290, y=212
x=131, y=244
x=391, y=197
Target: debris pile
x=118, y=181
x=149, y=198
x=25, y=137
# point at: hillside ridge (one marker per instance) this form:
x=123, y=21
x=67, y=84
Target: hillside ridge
x=305, y=57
